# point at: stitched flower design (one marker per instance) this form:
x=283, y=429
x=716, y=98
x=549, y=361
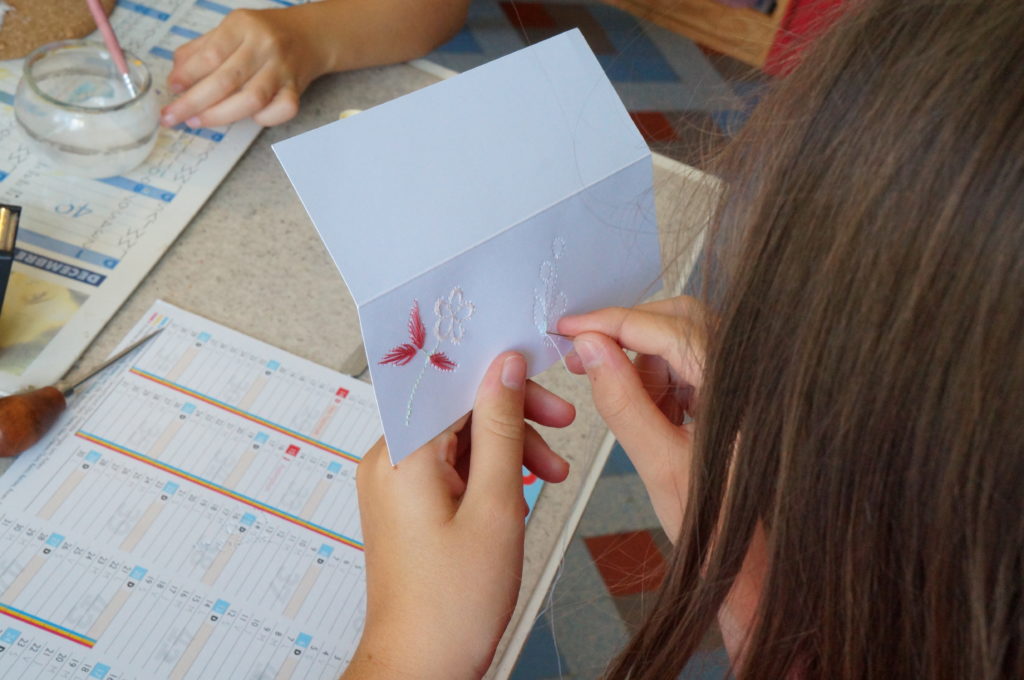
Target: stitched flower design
x=549, y=302
x=452, y=313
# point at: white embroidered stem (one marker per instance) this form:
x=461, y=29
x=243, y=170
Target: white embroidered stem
x=452, y=313
x=419, y=378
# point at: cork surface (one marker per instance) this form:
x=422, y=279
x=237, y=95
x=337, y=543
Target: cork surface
x=31, y=23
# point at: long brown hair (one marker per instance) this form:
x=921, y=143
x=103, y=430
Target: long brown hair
x=864, y=394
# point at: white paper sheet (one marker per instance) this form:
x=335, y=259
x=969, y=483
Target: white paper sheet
x=488, y=206
x=84, y=244
x=193, y=515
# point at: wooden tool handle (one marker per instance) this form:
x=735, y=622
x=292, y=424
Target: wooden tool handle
x=26, y=417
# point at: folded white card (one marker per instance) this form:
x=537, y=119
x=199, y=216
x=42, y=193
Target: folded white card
x=469, y=216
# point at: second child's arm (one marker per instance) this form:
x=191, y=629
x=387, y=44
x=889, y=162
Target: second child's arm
x=258, y=62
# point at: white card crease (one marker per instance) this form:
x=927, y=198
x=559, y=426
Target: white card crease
x=468, y=217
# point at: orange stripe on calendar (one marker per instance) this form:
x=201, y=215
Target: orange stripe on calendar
x=224, y=491
x=245, y=414
x=48, y=626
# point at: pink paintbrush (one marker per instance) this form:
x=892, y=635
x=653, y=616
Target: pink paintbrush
x=114, y=47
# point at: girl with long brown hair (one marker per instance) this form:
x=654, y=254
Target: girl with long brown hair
x=849, y=499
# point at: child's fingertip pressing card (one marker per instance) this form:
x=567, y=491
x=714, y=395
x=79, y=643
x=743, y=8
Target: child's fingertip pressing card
x=469, y=216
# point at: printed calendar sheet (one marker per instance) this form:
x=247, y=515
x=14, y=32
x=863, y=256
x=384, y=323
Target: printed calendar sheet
x=85, y=244
x=193, y=515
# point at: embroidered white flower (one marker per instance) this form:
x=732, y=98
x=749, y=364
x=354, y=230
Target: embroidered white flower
x=452, y=313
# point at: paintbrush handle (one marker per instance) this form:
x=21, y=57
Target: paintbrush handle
x=113, y=46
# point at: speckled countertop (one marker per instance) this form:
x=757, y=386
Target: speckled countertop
x=252, y=261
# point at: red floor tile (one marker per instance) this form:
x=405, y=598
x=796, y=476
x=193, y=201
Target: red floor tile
x=629, y=563
x=654, y=126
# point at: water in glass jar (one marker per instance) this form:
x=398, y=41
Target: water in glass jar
x=100, y=143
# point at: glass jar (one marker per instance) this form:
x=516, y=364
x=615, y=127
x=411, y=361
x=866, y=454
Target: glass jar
x=80, y=115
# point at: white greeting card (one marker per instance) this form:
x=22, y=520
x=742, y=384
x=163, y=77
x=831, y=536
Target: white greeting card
x=468, y=217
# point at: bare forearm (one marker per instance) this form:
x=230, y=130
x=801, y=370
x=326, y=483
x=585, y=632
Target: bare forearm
x=351, y=34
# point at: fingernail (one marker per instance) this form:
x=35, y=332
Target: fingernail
x=169, y=119
x=513, y=372
x=177, y=88
x=193, y=122
x=589, y=352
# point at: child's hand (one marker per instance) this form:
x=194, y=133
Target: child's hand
x=644, y=402
x=255, y=63
x=444, y=533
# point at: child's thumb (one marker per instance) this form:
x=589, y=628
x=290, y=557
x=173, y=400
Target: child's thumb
x=498, y=434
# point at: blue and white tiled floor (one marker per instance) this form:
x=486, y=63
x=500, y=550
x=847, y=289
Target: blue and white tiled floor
x=614, y=561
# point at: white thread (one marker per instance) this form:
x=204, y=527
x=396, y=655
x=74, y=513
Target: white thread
x=416, y=385
x=566, y=537
x=560, y=355
x=549, y=609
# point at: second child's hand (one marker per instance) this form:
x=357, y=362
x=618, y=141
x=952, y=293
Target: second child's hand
x=255, y=63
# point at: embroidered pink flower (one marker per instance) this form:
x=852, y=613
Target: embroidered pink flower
x=451, y=315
